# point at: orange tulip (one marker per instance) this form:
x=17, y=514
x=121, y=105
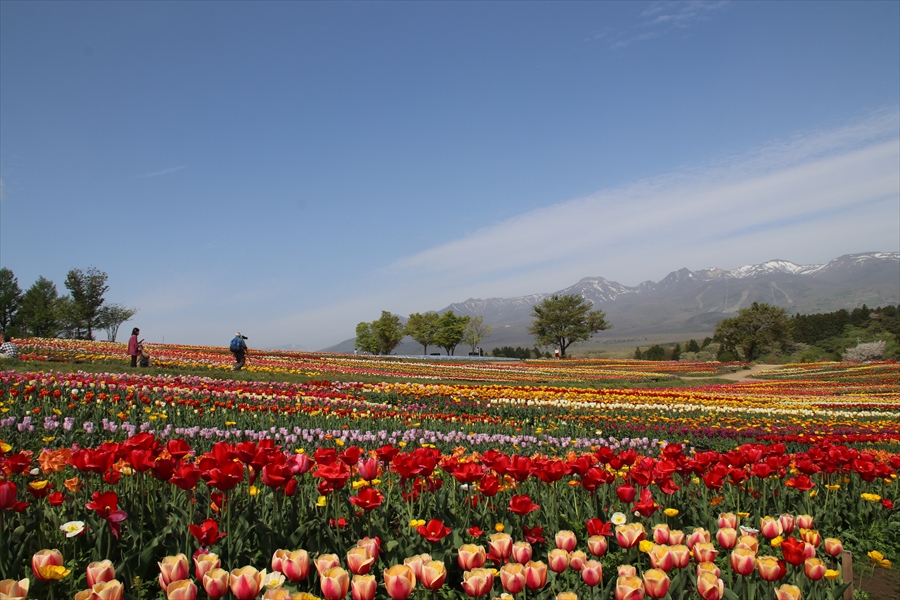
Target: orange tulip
x=743, y=560
x=787, y=592
x=359, y=561
x=173, y=568
x=535, y=574
x=592, y=572
x=705, y=552
x=215, y=582
x=477, y=582
x=814, y=568
x=521, y=552
x=512, y=577
x=629, y=588
x=656, y=583
x=597, y=545
x=566, y=540
x=334, y=583
x=558, y=560
x=246, y=582
x=14, y=590
x=363, y=587
x=400, y=580
x=98, y=572
x=471, y=557
x=710, y=587
x=113, y=590
x=434, y=574
x=501, y=545
x=727, y=537
x=181, y=590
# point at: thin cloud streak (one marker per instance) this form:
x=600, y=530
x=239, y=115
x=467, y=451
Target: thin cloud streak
x=163, y=172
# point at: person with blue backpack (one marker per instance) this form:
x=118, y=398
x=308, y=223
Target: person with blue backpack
x=239, y=349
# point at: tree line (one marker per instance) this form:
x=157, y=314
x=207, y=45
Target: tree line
x=40, y=311
x=558, y=321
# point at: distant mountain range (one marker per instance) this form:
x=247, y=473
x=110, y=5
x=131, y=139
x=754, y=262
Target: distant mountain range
x=688, y=304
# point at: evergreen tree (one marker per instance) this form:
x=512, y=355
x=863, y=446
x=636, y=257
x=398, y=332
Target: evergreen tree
x=692, y=346
x=10, y=298
x=655, y=352
x=87, y=290
x=39, y=313
x=637, y=354
x=676, y=352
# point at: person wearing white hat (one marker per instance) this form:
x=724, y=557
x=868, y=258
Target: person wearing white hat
x=239, y=349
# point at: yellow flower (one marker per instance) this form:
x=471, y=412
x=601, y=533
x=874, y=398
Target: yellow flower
x=402, y=444
x=671, y=512
x=49, y=438
x=321, y=501
x=230, y=423
x=360, y=483
x=832, y=487
x=253, y=490
x=871, y=497
x=38, y=485
x=499, y=527
x=832, y=574
x=813, y=493
x=879, y=559
x=54, y=572
x=339, y=442
x=417, y=522
x=743, y=515
x=776, y=542
x=646, y=546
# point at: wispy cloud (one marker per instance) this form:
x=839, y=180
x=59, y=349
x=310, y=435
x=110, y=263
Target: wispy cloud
x=661, y=17
x=163, y=172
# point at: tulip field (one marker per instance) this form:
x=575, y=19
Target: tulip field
x=326, y=476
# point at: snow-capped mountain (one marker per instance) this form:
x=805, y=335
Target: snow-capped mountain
x=690, y=303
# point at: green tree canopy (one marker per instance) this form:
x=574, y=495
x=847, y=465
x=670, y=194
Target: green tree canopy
x=39, y=312
x=475, y=331
x=753, y=329
x=380, y=336
x=423, y=329
x=112, y=316
x=564, y=320
x=87, y=290
x=451, y=329
x=10, y=298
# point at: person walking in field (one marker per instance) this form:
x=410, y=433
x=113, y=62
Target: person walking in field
x=134, y=346
x=238, y=347
x=8, y=349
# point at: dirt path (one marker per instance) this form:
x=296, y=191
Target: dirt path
x=741, y=374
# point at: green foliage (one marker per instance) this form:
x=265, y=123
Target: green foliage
x=692, y=346
x=10, y=298
x=451, y=329
x=87, y=290
x=112, y=316
x=638, y=355
x=520, y=352
x=380, y=336
x=655, y=352
x=423, y=329
x=676, y=352
x=564, y=320
x=38, y=314
x=476, y=330
x=830, y=334
x=753, y=330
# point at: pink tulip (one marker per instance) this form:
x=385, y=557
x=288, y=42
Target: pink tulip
x=676, y=537
x=833, y=546
x=108, y=590
x=363, y=587
x=787, y=523
x=660, y=533
x=699, y=535
x=99, y=572
x=708, y=568
x=577, y=559
x=629, y=588
x=373, y=545
x=334, y=583
x=787, y=592
x=592, y=572
x=501, y=545
x=743, y=561
x=182, y=590
x=215, y=583
x=661, y=557
x=326, y=561
x=749, y=542
x=728, y=521
x=15, y=590
x=294, y=564
x=566, y=540
x=471, y=557
x=359, y=561
x=535, y=574
x=434, y=573
x=626, y=571
x=769, y=567
x=770, y=528
x=368, y=469
x=246, y=582
x=598, y=545
x=630, y=535
x=204, y=563
x=710, y=587
x=805, y=522
x=43, y=559
x=173, y=568
x=400, y=581
x=704, y=552
x=477, y=582
x=512, y=577
x=727, y=537
x=558, y=560
x=521, y=552
x=656, y=583
x=82, y=595
x=415, y=563
x=277, y=594
x=814, y=568
x=681, y=555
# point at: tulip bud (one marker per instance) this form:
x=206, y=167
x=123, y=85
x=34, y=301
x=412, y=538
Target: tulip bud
x=363, y=587
x=681, y=556
x=699, y=535
x=399, y=580
x=566, y=540
x=656, y=583
x=334, y=583
x=626, y=571
x=215, y=583
x=661, y=557
x=521, y=552
x=707, y=567
x=184, y=589
x=100, y=572
x=512, y=577
x=477, y=582
x=597, y=545
x=324, y=562
x=592, y=572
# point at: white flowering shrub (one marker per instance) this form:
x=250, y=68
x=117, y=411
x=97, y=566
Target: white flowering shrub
x=864, y=352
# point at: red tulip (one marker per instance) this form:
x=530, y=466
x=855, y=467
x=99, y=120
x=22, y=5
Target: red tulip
x=794, y=551
x=207, y=534
x=368, y=498
x=626, y=493
x=368, y=469
x=434, y=531
x=7, y=494
x=522, y=505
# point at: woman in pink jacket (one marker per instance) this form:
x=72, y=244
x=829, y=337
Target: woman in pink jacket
x=134, y=346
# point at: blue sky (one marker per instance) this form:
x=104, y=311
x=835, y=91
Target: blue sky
x=290, y=169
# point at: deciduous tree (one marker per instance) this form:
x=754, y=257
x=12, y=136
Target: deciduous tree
x=450, y=331
x=87, y=290
x=380, y=336
x=564, y=320
x=476, y=330
x=753, y=329
x=423, y=329
x=112, y=316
